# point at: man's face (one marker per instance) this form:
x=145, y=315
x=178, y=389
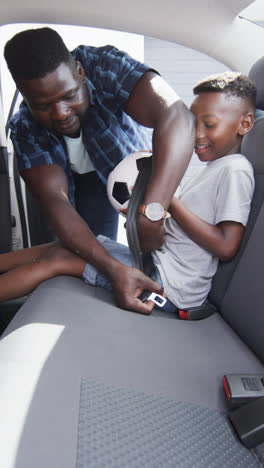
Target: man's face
x=59, y=100
x=218, y=124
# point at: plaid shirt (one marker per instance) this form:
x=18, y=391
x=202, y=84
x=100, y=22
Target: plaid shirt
x=108, y=132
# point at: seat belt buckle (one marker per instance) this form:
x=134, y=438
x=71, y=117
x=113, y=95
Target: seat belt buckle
x=197, y=313
x=157, y=299
x=151, y=296
x=241, y=389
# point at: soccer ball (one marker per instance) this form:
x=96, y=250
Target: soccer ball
x=122, y=179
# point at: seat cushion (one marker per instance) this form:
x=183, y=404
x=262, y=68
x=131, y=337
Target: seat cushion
x=68, y=331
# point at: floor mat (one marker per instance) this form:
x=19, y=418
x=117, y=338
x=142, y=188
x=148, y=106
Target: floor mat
x=120, y=428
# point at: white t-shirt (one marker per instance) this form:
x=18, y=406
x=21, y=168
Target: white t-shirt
x=221, y=191
x=79, y=158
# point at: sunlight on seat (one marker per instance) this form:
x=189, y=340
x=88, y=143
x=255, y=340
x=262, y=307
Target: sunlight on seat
x=23, y=354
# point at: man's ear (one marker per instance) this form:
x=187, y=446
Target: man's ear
x=80, y=70
x=246, y=123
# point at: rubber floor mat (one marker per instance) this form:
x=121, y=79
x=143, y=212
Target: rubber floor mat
x=121, y=428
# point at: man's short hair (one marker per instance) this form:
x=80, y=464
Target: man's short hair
x=230, y=83
x=34, y=53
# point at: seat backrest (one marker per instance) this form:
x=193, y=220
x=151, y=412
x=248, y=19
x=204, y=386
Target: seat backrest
x=238, y=288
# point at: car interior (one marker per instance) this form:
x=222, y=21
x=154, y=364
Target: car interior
x=87, y=384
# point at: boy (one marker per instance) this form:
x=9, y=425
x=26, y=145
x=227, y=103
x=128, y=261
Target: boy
x=208, y=215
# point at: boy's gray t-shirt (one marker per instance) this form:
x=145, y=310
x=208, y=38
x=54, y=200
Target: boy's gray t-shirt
x=221, y=191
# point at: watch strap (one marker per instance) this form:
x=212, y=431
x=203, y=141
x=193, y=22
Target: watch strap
x=142, y=209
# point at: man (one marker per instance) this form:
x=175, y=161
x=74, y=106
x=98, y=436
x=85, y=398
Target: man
x=97, y=97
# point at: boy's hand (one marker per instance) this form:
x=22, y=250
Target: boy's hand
x=128, y=283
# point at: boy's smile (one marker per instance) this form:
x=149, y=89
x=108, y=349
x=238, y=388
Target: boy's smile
x=219, y=124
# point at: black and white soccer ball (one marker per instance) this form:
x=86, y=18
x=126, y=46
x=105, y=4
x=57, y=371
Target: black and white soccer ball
x=122, y=179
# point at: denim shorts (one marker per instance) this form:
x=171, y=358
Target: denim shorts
x=121, y=253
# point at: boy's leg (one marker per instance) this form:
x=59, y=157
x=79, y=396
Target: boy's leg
x=63, y=261
x=24, y=279
x=119, y=251
x=11, y=260
x=29, y=267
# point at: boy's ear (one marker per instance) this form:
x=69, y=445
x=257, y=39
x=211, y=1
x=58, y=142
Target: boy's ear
x=246, y=123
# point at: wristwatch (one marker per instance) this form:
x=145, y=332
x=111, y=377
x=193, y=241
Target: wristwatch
x=153, y=211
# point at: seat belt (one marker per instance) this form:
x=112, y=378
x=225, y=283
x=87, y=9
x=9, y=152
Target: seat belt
x=142, y=261
x=136, y=198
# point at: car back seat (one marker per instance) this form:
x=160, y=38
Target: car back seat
x=237, y=288
x=86, y=384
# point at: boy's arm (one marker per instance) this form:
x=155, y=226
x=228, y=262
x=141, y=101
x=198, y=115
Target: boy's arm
x=222, y=240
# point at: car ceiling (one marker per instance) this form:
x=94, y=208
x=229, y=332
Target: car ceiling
x=211, y=26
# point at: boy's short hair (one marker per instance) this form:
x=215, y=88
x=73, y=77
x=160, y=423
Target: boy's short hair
x=34, y=53
x=230, y=83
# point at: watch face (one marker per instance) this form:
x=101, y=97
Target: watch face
x=154, y=211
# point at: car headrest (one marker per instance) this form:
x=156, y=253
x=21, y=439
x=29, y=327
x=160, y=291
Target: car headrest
x=256, y=74
x=253, y=143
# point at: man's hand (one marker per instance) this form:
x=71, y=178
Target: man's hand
x=150, y=233
x=128, y=283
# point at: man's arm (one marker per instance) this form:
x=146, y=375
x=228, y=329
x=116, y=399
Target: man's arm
x=222, y=240
x=153, y=103
x=49, y=184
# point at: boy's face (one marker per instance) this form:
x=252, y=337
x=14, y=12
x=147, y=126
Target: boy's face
x=219, y=124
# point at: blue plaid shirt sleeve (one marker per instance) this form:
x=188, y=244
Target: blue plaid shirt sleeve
x=30, y=149
x=115, y=72
x=32, y=142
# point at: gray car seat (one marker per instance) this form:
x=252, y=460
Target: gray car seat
x=234, y=292
x=88, y=385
